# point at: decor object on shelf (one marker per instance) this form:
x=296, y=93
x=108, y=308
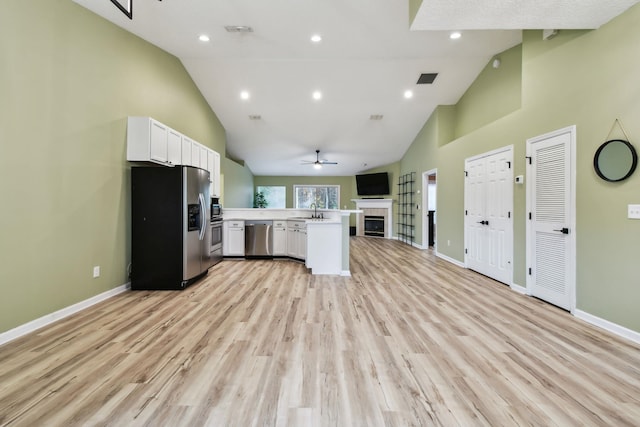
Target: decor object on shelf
x=260, y=201
x=126, y=6
x=616, y=159
x=406, y=225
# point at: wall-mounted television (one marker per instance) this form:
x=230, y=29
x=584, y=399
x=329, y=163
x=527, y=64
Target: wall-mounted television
x=373, y=184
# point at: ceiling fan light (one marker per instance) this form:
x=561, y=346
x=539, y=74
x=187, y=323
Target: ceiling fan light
x=317, y=165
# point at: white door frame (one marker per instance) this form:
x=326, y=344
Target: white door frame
x=425, y=208
x=572, y=206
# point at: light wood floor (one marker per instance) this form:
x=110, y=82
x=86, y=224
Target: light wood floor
x=409, y=339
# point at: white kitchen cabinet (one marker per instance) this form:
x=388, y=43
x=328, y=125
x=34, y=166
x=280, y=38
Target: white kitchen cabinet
x=215, y=173
x=147, y=141
x=233, y=238
x=296, y=239
x=203, y=157
x=187, y=145
x=280, y=238
x=174, y=147
x=302, y=244
x=195, y=154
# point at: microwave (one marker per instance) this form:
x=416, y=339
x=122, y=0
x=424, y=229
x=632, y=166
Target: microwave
x=216, y=208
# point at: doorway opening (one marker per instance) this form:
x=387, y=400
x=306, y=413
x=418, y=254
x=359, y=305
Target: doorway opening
x=429, y=221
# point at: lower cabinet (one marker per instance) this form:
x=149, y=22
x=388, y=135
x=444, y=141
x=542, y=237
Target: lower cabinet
x=280, y=238
x=297, y=239
x=233, y=238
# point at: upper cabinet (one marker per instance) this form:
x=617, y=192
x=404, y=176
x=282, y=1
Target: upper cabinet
x=187, y=147
x=148, y=140
x=215, y=175
x=174, y=147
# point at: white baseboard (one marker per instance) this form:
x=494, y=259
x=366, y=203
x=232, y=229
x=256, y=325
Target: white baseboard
x=519, y=289
x=451, y=260
x=609, y=326
x=415, y=245
x=346, y=273
x=36, y=324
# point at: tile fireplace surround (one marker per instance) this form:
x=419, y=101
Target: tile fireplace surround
x=375, y=207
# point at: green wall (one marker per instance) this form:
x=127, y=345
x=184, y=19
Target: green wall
x=582, y=78
x=238, y=185
x=68, y=80
x=482, y=103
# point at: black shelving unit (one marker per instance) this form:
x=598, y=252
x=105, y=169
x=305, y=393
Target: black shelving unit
x=406, y=217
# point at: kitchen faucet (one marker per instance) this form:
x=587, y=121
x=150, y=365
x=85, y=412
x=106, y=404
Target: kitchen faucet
x=315, y=210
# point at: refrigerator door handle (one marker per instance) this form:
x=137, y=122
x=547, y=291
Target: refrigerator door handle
x=203, y=219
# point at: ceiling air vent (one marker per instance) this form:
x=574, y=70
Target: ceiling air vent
x=255, y=117
x=238, y=29
x=375, y=117
x=427, y=78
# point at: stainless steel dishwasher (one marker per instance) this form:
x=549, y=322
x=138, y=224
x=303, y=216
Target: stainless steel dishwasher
x=258, y=239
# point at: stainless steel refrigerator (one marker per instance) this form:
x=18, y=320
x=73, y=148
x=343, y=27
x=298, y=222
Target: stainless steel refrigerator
x=170, y=232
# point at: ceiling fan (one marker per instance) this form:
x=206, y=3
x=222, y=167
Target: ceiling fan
x=317, y=164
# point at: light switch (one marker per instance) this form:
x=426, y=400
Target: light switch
x=633, y=212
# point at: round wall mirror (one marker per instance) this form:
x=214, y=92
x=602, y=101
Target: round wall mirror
x=615, y=160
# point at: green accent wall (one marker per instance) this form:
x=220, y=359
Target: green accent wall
x=238, y=185
x=582, y=78
x=414, y=6
x=68, y=80
x=482, y=104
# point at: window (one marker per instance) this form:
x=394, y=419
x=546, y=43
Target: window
x=276, y=196
x=324, y=196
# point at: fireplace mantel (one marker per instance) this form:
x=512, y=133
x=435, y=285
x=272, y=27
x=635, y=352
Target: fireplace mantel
x=377, y=204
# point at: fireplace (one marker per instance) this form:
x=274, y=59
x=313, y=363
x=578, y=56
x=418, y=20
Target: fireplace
x=378, y=215
x=374, y=225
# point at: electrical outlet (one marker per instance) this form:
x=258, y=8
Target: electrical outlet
x=633, y=211
x=96, y=271
x=448, y=242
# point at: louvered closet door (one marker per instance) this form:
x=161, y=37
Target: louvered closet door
x=550, y=276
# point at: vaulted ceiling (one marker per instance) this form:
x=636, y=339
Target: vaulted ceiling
x=261, y=83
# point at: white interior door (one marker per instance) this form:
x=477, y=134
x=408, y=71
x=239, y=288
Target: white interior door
x=488, y=214
x=475, y=231
x=551, y=210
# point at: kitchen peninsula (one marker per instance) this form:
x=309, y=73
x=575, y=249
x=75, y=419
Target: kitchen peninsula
x=322, y=243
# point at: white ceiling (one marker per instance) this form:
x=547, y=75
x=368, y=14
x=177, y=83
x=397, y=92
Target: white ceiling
x=367, y=59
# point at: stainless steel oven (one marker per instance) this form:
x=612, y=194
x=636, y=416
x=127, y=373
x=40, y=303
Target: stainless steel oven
x=215, y=249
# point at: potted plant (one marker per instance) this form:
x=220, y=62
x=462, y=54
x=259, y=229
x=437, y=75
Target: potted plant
x=259, y=201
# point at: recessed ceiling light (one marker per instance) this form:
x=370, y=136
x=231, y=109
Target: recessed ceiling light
x=204, y=38
x=316, y=38
x=408, y=94
x=455, y=35
x=317, y=95
x=244, y=95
